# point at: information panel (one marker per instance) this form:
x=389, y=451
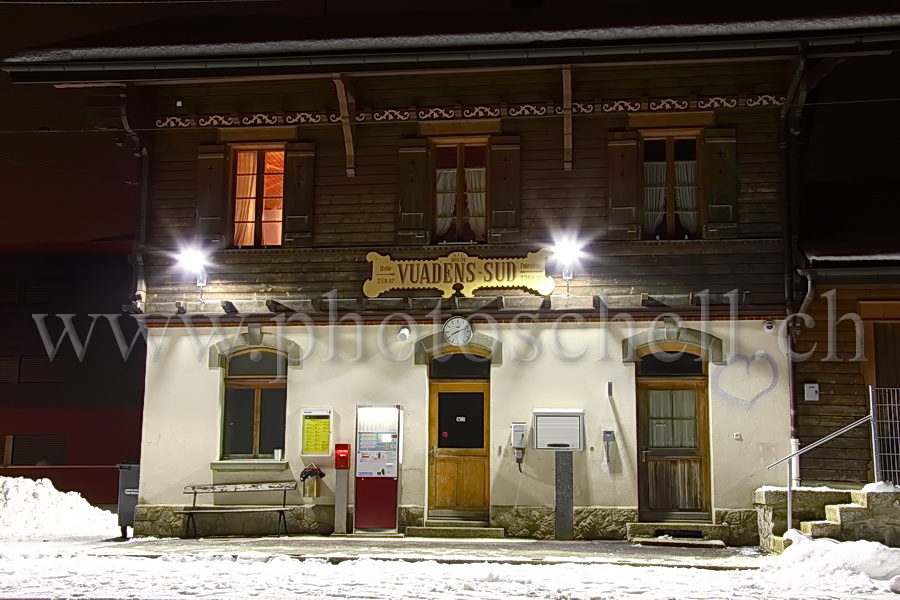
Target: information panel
x=316, y=431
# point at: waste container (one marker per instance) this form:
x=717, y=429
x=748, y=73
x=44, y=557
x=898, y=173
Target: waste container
x=129, y=475
x=309, y=478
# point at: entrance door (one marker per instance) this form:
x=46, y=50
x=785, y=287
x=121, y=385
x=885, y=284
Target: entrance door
x=674, y=451
x=458, y=464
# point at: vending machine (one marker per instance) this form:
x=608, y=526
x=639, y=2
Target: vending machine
x=378, y=456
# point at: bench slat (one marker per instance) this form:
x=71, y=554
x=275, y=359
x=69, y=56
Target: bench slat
x=232, y=510
x=241, y=487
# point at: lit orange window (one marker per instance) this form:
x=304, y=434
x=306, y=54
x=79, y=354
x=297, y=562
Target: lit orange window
x=258, y=197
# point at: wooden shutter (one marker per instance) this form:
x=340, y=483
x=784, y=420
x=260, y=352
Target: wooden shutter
x=414, y=226
x=212, y=202
x=622, y=185
x=505, y=191
x=719, y=171
x=299, y=175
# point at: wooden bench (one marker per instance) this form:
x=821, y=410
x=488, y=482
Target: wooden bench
x=282, y=487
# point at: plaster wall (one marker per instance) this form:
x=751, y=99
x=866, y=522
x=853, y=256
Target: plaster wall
x=567, y=365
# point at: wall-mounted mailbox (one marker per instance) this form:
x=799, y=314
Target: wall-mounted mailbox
x=342, y=456
x=558, y=428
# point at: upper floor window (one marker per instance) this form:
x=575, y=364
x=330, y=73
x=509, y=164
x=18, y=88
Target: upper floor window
x=460, y=176
x=258, y=196
x=671, y=202
x=255, y=405
x=672, y=184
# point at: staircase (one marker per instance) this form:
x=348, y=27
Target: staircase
x=455, y=528
x=873, y=516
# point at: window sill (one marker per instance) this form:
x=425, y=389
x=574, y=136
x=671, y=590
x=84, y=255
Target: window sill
x=261, y=464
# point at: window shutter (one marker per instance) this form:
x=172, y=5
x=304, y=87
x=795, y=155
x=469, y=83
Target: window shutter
x=719, y=171
x=415, y=200
x=505, y=192
x=212, y=204
x=299, y=175
x=622, y=185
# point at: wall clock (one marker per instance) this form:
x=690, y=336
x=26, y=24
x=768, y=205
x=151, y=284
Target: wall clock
x=458, y=331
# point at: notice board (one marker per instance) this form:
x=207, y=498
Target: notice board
x=315, y=433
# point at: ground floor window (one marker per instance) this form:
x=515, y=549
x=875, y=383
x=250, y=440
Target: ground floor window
x=255, y=405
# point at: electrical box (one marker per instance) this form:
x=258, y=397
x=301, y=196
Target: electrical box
x=811, y=392
x=342, y=456
x=558, y=428
x=609, y=435
x=517, y=435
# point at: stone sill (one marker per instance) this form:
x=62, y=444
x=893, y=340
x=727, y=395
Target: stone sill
x=248, y=465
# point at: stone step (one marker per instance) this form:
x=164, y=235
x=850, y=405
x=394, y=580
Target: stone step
x=456, y=532
x=820, y=529
x=846, y=513
x=778, y=544
x=456, y=523
x=679, y=530
x=678, y=542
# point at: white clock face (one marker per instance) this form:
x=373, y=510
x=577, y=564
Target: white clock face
x=457, y=331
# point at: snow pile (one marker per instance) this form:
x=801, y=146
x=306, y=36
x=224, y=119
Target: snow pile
x=881, y=486
x=30, y=508
x=824, y=556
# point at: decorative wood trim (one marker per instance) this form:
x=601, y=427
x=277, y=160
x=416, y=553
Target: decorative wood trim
x=349, y=114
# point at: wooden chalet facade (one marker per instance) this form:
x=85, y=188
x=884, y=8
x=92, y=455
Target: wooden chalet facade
x=296, y=172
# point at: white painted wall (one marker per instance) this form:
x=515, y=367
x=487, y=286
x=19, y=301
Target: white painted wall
x=182, y=414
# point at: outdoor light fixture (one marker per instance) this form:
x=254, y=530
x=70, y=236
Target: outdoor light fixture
x=194, y=260
x=567, y=252
x=403, y=334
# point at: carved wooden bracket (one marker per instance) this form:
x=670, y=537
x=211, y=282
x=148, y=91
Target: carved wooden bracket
x=347, y=102
x=567, y=117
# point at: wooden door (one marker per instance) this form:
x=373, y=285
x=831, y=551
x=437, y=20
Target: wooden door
x=458, y=466
x=674, y=451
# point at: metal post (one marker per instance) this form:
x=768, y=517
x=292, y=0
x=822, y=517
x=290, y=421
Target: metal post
x=876, y=458
x=565, y=529
x=790, y=497
x=341, y=479
x=795, y=447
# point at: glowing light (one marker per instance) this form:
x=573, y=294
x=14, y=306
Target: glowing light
x=567, y=251
x=192, y=260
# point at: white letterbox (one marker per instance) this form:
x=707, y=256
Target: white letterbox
x=558, y=428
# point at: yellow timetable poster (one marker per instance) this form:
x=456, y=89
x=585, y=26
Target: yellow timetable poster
x=316, y=431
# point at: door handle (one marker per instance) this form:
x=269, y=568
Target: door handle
x=644, y=455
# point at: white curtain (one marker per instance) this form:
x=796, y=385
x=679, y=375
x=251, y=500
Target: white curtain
x=654, y=195
x=475, y=200
x=245, y=199
x=446, y=199
x=686, y=194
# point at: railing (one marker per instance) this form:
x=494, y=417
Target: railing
x=816, y=444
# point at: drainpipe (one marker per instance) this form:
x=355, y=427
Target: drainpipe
x=139, y=285
x=790, y=187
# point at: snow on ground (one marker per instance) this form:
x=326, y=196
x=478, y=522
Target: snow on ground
x=64, y=567
x=881, y=486
x=34, y=508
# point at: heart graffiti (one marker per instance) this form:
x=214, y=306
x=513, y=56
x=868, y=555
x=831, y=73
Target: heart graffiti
x=748, y=362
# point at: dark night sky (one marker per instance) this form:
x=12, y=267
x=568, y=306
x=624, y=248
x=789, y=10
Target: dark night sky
x=80, y=191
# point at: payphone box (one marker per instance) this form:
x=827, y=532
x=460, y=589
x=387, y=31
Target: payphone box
x=342, y=456
x=558, y=428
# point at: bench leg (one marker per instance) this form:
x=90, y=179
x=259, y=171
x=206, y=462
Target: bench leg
x=191, y=523
x=282, y=520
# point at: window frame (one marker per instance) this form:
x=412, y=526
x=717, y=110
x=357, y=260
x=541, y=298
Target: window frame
x=460, y=142
x=259, y=199
x=670, y=135
x=256, y=383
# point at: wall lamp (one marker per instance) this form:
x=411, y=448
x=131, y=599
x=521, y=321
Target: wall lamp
x=194, y=260
x=403, y=334
x=567, y=252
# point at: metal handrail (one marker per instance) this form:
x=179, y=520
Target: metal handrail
x=817, y=443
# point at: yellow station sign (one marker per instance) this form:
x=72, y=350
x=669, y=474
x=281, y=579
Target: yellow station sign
x=458, y=269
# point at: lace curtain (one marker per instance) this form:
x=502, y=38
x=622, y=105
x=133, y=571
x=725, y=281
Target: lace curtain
x=654, y=195
x=475, y=200
x=446, y=199
x=686, y=195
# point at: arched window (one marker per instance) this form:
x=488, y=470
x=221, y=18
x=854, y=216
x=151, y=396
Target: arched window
x=255, y=404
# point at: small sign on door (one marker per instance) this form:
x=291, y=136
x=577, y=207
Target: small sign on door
x=461, y=419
